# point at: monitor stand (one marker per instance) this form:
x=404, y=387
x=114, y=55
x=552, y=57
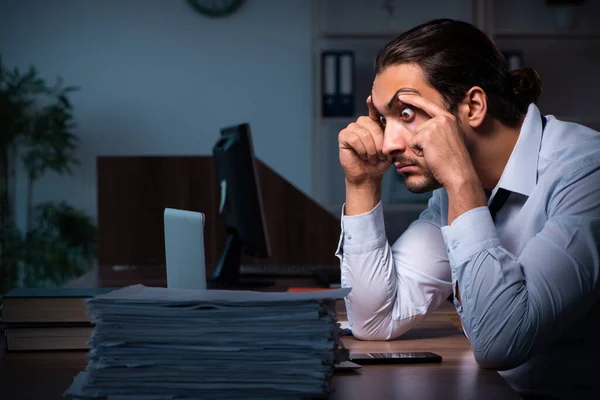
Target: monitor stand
x=227, y=273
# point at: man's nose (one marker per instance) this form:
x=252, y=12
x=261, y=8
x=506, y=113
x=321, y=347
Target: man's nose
x=395, y=138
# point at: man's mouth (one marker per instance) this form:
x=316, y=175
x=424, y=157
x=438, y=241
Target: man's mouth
x=405, y=167
x=401, y=165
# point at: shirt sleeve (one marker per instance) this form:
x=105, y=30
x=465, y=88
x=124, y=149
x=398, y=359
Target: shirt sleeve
x=511, y=306
x=393, y=287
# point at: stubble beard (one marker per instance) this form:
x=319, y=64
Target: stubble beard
x=423, y=184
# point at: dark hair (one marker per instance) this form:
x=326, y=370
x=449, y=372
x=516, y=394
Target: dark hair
x=456, y=56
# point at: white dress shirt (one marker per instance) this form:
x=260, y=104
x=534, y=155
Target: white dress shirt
x=528, y=281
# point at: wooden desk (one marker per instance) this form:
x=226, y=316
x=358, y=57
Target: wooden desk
x=46, y=375
x=457, y=377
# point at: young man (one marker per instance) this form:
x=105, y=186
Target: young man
x=512, y=230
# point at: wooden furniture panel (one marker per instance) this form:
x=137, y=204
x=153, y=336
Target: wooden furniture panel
x=134, y=191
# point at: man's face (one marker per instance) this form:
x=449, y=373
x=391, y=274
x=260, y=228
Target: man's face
x=400, y=121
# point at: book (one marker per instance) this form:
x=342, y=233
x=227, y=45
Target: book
x=47, y=338
x=48, y=304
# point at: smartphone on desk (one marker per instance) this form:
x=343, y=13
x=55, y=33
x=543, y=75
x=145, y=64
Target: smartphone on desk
x=395, y=358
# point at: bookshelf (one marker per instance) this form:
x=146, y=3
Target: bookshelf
x=561, y=43
x=567, y=58
x=546, y=35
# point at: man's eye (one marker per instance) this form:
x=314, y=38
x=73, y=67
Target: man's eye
x=382, y=120
x=407, y=114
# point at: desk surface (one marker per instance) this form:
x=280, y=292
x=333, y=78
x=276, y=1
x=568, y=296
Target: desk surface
x=457, y=377
x=46, y=375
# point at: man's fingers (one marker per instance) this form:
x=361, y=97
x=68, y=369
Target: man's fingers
x=352, y=141
x=373, y=114
x=361, y=141
x=378, y=139
x=367, y=141
x=429, y=124
x=421, y=102
x=416, y=143
x=376, y=132
x=418, y=151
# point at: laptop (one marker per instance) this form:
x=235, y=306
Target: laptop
x=184, y=249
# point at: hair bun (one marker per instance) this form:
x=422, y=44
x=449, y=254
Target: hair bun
x=526, y=86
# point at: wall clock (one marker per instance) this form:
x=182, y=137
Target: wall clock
x=216, y=8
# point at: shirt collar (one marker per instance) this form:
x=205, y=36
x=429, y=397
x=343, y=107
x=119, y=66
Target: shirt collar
x=521, y=172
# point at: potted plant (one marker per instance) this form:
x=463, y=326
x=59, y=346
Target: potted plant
x=36, y=124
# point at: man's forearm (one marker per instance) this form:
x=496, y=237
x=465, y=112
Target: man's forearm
x=362, y=198
x=463, y=195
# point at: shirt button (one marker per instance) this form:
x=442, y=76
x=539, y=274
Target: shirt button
x=348, y=236
x=454, y=245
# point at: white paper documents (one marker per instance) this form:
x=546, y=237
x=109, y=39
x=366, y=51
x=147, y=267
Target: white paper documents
x=156, y=343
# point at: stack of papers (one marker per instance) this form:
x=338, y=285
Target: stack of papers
x=157, y=343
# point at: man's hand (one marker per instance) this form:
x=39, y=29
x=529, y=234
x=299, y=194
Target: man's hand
x=361, y=155
x=364, y=163
x=440, y=141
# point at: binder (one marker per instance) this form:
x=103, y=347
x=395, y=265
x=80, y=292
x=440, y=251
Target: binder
x=337, y=83
x=346, y=84
x=514, y=59
x=329, y=83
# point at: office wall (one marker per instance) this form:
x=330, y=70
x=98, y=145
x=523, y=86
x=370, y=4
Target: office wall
x=159, y=79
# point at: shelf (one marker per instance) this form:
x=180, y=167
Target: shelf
x=358, y=35
x=545, y=35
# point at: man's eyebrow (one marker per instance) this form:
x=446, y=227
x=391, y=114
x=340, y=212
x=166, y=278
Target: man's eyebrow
x=401, y=90
x=395, y=97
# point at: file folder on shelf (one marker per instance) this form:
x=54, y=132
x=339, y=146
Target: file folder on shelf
x=337, y=72
x=346, y=88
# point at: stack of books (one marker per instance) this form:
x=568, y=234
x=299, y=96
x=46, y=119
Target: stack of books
x=159, y=343
x=47, y=318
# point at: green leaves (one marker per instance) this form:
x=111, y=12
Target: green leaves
x=37, y=124
x=50, y=144
x=39, y=118
x=62, y=236
x=12, y=254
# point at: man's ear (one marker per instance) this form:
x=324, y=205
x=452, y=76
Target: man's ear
x=473, y=108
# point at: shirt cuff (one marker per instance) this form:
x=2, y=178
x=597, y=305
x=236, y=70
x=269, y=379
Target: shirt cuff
x=362, y=232
x=470, y=233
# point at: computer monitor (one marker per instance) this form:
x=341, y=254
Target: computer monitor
x=240, y=205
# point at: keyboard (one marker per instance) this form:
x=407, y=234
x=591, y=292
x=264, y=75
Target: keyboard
x=282, y=270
